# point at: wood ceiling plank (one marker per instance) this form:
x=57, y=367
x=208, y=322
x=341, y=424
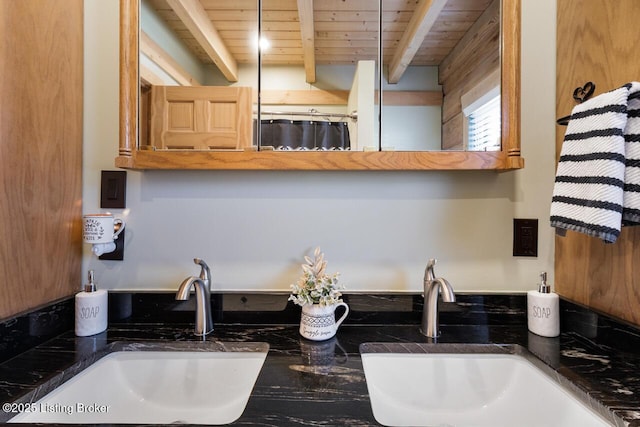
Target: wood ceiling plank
x=337, y=24
x=486, y=29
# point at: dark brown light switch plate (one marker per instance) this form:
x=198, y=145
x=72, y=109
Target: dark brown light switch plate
x=113, y=189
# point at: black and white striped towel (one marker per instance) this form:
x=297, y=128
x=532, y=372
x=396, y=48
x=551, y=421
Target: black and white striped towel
x=598, y=175
x=631, y=201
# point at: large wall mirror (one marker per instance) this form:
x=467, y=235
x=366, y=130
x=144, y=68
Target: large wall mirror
x=331, y=84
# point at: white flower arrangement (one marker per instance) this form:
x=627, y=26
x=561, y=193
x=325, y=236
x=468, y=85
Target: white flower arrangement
x=315, y=286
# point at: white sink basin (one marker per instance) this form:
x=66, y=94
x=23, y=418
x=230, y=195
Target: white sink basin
x=472, y=389
x=155, y=387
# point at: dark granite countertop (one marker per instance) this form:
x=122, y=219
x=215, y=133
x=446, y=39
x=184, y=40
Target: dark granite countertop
x=305, y=383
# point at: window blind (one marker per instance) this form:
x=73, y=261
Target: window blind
x=484, y=127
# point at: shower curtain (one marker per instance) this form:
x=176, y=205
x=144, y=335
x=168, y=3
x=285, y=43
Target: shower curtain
x=285, y=134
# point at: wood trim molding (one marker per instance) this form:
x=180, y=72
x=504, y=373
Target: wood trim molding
x=304, y=97
x=314, y=160
x=341, y=97
x=411, y=97
x=510, y=96
x=129, y=75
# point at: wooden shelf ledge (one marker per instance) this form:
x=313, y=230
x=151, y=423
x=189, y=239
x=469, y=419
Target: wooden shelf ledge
x=313, y=160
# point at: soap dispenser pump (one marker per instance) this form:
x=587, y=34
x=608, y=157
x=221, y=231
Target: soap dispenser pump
x=543, y=310
x=91, y=309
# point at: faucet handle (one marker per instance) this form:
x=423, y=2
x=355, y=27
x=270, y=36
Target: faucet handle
x=429, y=272
x=205, y=272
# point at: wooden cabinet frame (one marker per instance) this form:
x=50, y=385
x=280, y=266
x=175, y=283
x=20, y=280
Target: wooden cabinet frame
x=131, y=157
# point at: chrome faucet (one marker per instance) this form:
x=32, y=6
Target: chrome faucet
x=433, y=286
x=202, y=284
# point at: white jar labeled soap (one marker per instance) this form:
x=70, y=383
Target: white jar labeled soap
x=543, y=310
x=91, y=309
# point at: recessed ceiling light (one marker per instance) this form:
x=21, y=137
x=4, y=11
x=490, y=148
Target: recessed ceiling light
x=264, y=43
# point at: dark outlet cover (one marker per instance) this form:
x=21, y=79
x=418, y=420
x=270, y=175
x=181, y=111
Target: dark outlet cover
x=113, y=189
x=525, y=237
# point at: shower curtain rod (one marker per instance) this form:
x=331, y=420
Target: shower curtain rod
x=353, y=116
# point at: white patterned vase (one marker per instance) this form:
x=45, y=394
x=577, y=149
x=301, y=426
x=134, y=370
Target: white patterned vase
x=318, y=322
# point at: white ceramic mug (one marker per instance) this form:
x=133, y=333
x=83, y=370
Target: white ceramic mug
x=101, y=228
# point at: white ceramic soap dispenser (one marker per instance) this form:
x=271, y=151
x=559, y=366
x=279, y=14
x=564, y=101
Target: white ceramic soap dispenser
x=91, y=309
x=543, y=310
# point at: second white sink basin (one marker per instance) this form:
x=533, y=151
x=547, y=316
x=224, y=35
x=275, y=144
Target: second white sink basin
x=467, y=389
x=155, y=387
